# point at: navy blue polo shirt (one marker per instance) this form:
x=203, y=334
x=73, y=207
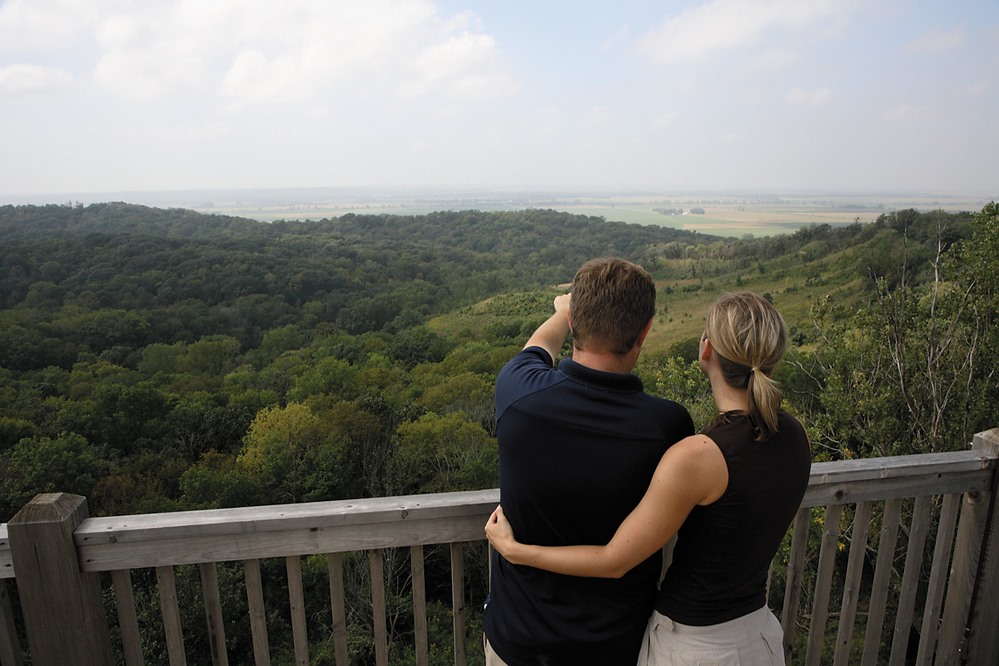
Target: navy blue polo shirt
x=577, y=450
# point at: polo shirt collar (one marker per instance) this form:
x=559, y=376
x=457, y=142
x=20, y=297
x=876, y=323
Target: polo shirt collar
x=613, y=381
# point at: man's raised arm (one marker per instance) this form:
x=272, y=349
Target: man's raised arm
x=551, y=334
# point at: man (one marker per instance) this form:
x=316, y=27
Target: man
x=578, y=445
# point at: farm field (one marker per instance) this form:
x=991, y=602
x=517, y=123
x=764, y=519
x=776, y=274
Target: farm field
x=724, y=215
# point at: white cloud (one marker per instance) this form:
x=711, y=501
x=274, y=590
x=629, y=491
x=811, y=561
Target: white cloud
x=595, y=116
x=664, y=120
x=189, y=133
x=256, y=51
x=815, y=97
x=466, y=65
x=774, y=59
x=901, y=112
x=935, y=41
x=615, y=39
x=20, y=78
x=34, y=24
x=973, y=90
x=728, y=139
x=724, y=25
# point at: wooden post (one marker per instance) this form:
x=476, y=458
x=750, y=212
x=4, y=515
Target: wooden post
x=965, y=624
x=63, y=613
x=982, y=639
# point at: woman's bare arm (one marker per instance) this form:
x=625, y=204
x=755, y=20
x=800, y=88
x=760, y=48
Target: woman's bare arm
x=692, y=472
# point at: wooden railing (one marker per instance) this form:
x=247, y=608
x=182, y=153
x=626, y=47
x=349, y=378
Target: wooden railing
x=890, y=560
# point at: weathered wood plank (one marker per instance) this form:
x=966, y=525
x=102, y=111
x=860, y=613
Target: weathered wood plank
x=338, y=609
x=205, y=546
x=416, y=565
x=915, y=485
x=296, y=600
x=949, y=462
x=795, y=576
x=287, y=517
x=938, y=579
x=458, y=602
x=379, y=609
x=282, y=530
x=213, y=613
x=128, y=621
x=10, y=645
x=851, y=584
x=6, y=559
x=983, y=639
x=823, y=584
x=890, y=521
x=291, y=517
x=166, y=583
x=256, y=611
x=918, y=529
x=63, y=612
x=323, y=527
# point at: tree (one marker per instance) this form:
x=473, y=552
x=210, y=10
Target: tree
x=217, y=481
x=441, y=453
x=275, y=449
x=47, y=465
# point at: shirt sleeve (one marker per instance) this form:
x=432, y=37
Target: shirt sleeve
x=527, y=372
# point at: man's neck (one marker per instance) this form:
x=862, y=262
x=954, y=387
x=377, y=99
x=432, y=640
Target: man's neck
x=606, y=361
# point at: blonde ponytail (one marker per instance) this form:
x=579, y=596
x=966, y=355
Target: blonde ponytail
x=749, y=336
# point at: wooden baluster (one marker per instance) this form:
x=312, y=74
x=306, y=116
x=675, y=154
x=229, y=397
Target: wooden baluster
x=938, y=579
x=891, y=518
x=376, y=564
x=419, y=605
x=10, y=645
x=296, y=597
x=166, y=582
x=910, y=579
x=458, y=602
x=128, y=621
x=823, y=583
x=213, y=613
x=255, y=609
x=851, y=586
x=794, y=577
x=338, y=609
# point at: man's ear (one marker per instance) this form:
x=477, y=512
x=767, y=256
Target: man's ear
x=706, y=350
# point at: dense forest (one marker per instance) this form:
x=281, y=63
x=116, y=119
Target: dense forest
x=158, y=360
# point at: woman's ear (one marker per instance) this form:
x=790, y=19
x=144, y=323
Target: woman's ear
x=706, y=351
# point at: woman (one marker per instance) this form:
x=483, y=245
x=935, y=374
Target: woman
x=731, y=493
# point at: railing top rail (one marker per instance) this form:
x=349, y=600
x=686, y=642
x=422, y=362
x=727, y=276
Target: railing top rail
x=280, y=530
x=865, y=479
x=190, y=537
x=242, y=520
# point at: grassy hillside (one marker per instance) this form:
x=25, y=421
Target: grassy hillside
x=795, y=281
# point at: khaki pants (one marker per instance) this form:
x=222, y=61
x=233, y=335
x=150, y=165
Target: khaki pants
x=492, y=659
x=755, y=639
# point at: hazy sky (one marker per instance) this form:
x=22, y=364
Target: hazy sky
x=777, y=95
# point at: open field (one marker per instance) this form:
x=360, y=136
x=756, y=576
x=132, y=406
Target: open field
x=724, y=215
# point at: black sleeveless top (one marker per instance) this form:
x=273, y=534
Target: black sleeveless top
x=724, y=549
